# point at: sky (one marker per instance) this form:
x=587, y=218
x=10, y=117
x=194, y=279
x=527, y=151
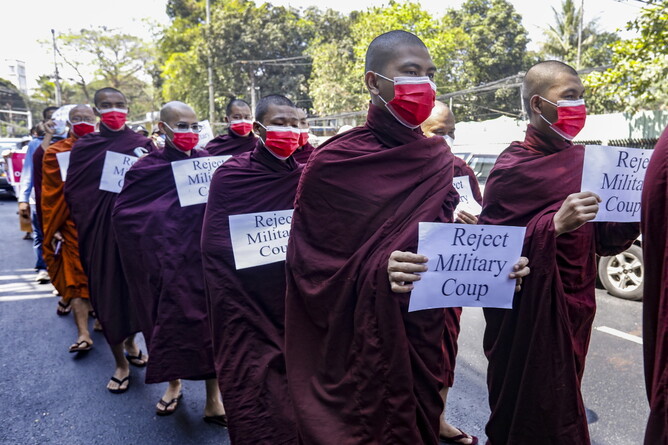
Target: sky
x=25, y=26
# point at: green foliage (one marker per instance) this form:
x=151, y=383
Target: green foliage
x=637, y=79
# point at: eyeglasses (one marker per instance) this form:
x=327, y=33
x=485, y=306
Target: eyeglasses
x=78, y=120
x=182, y=127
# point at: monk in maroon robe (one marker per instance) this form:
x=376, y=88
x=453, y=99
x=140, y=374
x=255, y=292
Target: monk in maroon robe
x=159, y=241
x=247, y=306
x=239, y=137
x=91, y=209
x=537, y=350
x=655, y=297
x=305, y=148
x=441, y=122
x=361, y=369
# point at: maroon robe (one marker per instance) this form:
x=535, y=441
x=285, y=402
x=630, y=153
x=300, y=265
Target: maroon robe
x=158, y=241
x=37, y=159
x=247, y=306
x=91, y=209
x=655, y=296
x=303, y=153
x=537, y=350
x=231, y=144
x=453, y=314
x=361, y=369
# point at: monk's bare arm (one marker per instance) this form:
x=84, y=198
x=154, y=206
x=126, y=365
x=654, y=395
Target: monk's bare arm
x=403, y=269
x=577, y=209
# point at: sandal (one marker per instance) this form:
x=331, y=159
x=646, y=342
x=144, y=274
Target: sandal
x=456, y=439
x=120, y=389
x=63, y=308
x=164, y=406
x=82, y=346
x=136, y=360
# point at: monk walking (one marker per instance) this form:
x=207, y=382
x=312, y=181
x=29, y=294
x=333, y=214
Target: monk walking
x=90, y=208
x=537, y=350
x=361, y=369
x=158, y=241
x=61, y=247
x=441, y=122
x=305, y=148
x=247, y=306
x=655, y=297
x=239, y=137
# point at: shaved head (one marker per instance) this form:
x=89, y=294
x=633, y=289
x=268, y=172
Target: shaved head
x=541, y=77
x=383, y=48
x=441, y=121
x=81, y=109
x=267, y=101
x=172, y=111
x=236, y=103
x=97, y=97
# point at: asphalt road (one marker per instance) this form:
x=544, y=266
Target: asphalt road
x=48, y=396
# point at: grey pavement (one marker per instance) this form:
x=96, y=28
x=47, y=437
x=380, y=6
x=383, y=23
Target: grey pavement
x=48, y=396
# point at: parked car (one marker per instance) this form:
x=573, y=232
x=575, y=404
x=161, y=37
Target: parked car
x=621, y=275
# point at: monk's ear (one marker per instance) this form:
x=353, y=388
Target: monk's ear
x=371, y=82
x=227, y=119
x=535, y=104
x=257, y=129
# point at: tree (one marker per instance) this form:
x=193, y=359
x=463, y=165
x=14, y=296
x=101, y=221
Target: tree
x=563, y=36
x=637, y=78
x=120, y=60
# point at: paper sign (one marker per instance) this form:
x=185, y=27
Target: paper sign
x=193, y=178
x=617, y=175
x=205, y=135
x=116, y=165
x=260, y=238
x=15, y=165
x=63, y=162
x=468, y=265
x=467, y=202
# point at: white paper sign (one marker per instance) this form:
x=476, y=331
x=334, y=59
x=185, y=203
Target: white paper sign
x=205, y=135
x=193, y=178
x=617, y=175
x=116, y=165
x=468, y=265
x=63, y=162
x=260, y=238
x=467, y=202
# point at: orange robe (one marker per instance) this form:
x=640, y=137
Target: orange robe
x=65, y=269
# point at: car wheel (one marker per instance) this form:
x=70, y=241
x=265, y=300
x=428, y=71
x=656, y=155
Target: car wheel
x=622, y=274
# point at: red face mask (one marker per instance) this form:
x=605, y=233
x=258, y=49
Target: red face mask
x=113, y=118
x=571, y=117
x=303, y=137
x=241, y=127
x=414, y=98
x=82, y=128
x=184, y=141
x=281, y=141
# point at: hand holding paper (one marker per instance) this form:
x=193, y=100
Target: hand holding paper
x=577, y=209
x=403, y=268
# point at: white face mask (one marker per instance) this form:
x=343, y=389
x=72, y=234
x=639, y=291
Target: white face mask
x=449, y=140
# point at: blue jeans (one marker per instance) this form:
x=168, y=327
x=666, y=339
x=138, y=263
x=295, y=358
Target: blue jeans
x=37, y=242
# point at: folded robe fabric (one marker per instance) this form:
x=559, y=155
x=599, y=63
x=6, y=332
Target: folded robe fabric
x=537, y=350
x=158, y=241
x=655, y=295
x=231, y=144
x=361, y=370
x=65, y=269
x=247, y=306
x=303, y=153
x=91, y=210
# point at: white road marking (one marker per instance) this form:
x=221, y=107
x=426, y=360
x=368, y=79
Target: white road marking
x=620, y=334
x=26, y=297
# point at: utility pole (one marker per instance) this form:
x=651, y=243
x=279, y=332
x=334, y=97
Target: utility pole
x=209, y=68
x=252, y=88
x=577, y=63
x=59, y=93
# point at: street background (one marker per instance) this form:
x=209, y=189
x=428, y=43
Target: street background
x=49, y=396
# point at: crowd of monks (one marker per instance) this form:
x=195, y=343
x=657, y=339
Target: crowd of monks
x=320, y=348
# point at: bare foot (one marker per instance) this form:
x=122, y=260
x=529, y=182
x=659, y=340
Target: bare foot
x=121, y=374
x=169, y=402
x=447, y=431
x=214, y=404
x=97, y=327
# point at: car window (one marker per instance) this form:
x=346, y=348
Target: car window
x=481, y=165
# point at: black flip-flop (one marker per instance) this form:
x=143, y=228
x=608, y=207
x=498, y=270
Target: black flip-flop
x=456, y=439
x=216, y=420
x=131, y=359
x=77, y=347
x=63, y=308
x=164, y=411
x=120, y=382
